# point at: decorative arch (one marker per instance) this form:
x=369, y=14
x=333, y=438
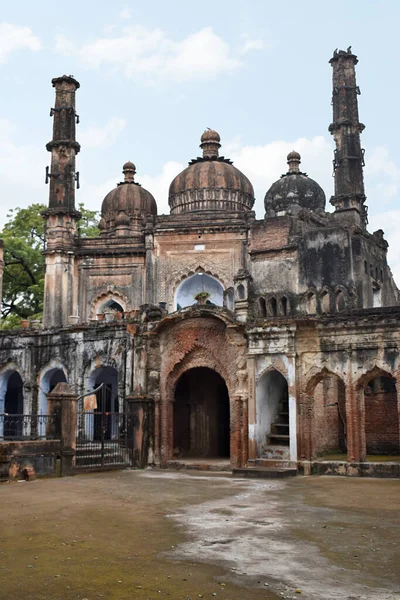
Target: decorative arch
x=371, y=374
x=198, y=282
x=44, y=379
x=197, y=357
x=109, y=294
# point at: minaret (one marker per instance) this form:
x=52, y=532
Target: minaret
x=60, y=299
x=349, y=198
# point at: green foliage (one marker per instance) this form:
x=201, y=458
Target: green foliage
x=88, y=223
x=12, y=321
x=24, y=241
x=23, y=279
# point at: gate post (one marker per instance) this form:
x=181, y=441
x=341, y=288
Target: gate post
x=61, y=403
x=140, y=428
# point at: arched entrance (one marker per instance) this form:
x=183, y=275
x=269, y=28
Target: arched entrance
x=105, y=421
x=272, y=410
x=48, y=382
x=11, y=404
x=201, y=415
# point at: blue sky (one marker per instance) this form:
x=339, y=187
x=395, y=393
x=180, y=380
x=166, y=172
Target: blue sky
x=155, y=74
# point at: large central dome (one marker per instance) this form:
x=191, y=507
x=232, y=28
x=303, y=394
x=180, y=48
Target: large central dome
x=210, y=182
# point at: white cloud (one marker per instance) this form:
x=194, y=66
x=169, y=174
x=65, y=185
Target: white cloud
x=126, y=13
x=264, y=164
x=382, y=175
x=158, y=185
x=250, y=44
x=15, y=37
x=22, y=170
x=101, y=137
x=150, y=55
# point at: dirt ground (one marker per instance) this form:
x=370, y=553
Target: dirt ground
x=149, y=534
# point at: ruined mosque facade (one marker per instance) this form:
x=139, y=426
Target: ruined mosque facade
x=270, y=342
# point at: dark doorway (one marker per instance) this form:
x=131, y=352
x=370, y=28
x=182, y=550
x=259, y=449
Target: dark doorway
x=201, y=415
x=107, y=403
x=13, y=405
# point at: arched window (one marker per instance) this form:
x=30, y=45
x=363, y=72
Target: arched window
x=273, y=307
x=196, y=284
x=325, y=302
x=340, y=302
x=241, y=292
x=111, y=306
x=262, y=307
x=311, y=303
x=229, y=299
x=284, y=306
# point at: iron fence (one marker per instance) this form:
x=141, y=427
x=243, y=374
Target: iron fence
x=102, y=440
x=22, y=428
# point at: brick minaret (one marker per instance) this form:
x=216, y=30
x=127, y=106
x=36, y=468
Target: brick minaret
x=349, y=197
x=61, y=216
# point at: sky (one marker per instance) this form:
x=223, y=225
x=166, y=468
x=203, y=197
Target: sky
x=154, y=75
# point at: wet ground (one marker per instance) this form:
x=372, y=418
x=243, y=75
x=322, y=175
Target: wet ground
x=152, y=534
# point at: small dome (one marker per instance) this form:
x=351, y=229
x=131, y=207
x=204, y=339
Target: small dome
x=210, y=135
x=293, y=155
x=210, y=182
x=294, y=189
x=129, y=166
x=128, y=200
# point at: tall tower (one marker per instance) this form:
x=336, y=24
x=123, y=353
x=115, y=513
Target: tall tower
x=349, y=198
x=60, y=298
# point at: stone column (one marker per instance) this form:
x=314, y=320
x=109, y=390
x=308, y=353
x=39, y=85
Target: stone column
x=236, y=431
x=252, y=412
x=61, y=404
x=353, y=416
x=140, y=428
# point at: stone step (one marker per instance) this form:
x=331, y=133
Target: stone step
x=275, y=452
x=278, y=439
x=264, y=472
x=273, y=462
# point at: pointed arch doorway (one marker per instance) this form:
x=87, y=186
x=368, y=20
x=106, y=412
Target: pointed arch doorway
x=201, y=420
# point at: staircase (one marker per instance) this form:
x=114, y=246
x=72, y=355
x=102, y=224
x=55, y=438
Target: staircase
x=274, y=462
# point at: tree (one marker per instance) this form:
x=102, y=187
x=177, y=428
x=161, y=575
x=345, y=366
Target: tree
x=23, y=279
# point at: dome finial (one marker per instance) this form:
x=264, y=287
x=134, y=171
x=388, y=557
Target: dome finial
x=210, y=143
x=293, y=160
x=129, y=171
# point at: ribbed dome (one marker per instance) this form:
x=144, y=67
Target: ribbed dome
x=294, y=189
x=128, y=200
x=210, y=182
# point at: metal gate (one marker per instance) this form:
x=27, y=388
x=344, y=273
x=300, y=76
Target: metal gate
x=102, y=440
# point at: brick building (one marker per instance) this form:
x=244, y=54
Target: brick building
x=268, y=342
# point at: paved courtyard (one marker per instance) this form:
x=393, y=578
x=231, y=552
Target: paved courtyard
x=151, y=534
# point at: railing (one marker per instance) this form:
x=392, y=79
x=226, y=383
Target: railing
x=19, y=428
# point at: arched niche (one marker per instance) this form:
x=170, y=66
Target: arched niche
x=195, y=284
x=381, y=416
x=328, y=397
